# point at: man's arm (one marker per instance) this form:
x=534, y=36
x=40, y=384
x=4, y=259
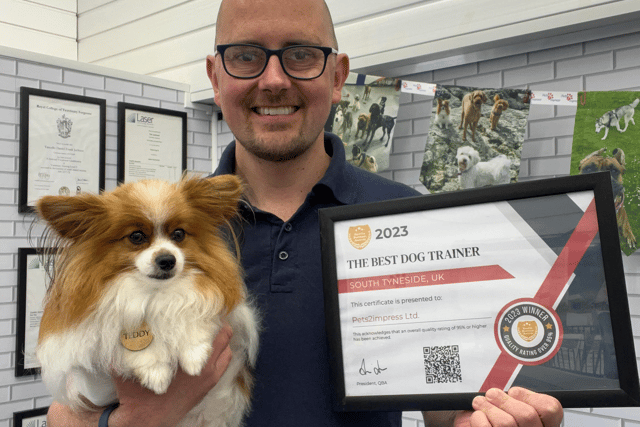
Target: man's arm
x=517, y=408
x=141, y=407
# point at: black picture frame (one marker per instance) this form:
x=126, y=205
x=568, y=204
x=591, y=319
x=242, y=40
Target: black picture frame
x=95, y=141
x=30, y=418
x=126, y=111
x=593, y=389
x=28, y=259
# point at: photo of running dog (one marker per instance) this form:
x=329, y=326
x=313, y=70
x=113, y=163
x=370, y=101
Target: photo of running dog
x=608, y=110
x=614, y=117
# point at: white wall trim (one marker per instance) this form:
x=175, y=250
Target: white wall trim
x=92, y=69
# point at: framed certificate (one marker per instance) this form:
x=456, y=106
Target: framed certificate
x=433, y=300
x=62, y=145
x=152, y=143
x=33, y=281
x=31, y=418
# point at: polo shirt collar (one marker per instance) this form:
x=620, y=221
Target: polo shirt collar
x=339, y=178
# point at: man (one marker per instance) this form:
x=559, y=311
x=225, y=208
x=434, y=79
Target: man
x=276, y=103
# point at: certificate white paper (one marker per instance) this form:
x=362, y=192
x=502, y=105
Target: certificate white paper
x=63, y=147
x=33, y=283
x=153, y=144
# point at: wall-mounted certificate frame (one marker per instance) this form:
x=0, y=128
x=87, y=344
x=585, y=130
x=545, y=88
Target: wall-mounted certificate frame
x=432, y=300
x=33, y=281
x=152, y=143
x=62, y=145
x=31, y=418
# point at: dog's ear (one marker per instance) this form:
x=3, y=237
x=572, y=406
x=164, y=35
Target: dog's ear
x=71, y=216
x=474, y=155
x=496, y=98
x=618, y=154
x=484, y=96
x=216, y=197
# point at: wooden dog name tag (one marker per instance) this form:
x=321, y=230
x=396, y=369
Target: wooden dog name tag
x=138, y=339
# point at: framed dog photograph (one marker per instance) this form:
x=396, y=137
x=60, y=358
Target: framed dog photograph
x=475, y=138
x=365, y=118
x=605, y=138
x=152, y=143
x=33, y=281
x=433, y=300
x=62, y=145
x=31, y=418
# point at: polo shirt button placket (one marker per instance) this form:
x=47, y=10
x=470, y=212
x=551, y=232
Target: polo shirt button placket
x=283, y=255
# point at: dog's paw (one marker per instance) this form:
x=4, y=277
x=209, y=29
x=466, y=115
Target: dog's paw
x=194, y=358
x=156, y=378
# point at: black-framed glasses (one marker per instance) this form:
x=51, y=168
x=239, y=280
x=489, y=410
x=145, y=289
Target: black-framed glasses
x=247, y=61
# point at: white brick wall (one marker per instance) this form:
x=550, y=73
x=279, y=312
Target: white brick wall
x=19, y=394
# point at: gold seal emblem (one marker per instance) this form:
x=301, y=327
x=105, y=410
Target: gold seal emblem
x=138, y=339
x=528, y=330
x=359, y=236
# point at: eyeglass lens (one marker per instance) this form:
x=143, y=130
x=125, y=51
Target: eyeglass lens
x=248, y=61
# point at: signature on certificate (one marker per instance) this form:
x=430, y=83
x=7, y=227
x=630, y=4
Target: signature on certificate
x=376, y=369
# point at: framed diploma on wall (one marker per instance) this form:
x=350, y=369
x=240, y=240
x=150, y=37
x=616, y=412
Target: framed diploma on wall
x=432, y=300
x=62, y=145
x=152, y=143
x=33, y=281
x=31, y=418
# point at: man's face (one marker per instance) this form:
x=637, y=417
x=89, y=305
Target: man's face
x=274, y=116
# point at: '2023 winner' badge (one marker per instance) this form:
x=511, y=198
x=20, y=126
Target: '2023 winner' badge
x=528, y=331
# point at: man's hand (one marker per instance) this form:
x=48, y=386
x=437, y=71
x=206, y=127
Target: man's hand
x=517, y=408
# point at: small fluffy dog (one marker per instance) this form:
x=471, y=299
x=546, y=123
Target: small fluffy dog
x=362, y=160
x=473, y=173
x=614, y=117
x=471, y=108
x=143, y=281
x=443, y=111
x=498, y=107
x=355, y=107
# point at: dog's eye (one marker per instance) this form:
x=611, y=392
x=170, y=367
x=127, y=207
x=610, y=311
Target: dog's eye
x=178, y=235
x=137, y=238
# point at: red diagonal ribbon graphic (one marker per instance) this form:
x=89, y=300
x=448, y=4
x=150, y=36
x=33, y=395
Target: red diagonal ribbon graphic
x=551, y=287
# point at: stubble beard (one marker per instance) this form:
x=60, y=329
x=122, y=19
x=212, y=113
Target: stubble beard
x=279, y=148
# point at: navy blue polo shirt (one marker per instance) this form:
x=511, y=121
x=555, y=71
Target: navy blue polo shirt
x=284, y=275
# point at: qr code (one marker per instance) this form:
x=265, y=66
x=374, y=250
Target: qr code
x=442, y=364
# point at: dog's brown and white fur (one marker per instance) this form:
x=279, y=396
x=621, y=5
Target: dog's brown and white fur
x=471, y=109
x=443, y=112
x=149, y=253
x=496, y=111
x=473, y=173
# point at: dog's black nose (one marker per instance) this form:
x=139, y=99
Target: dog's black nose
x=166, y=262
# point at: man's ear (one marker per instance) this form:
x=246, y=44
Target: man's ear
x=213, y=77
x=340, y=77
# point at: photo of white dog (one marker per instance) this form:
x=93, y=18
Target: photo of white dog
x=473, y=173
x=614, y=117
